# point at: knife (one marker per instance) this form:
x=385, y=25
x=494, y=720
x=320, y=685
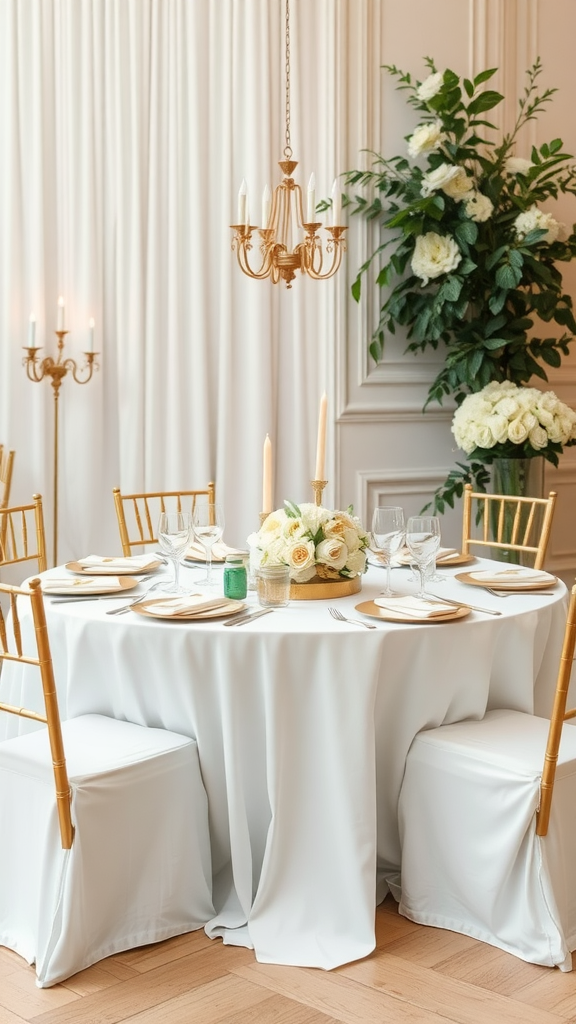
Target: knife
x=462, y=604
x=239, y=620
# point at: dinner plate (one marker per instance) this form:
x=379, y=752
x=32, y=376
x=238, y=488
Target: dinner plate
x=442, y=562
x=101, y=570
x=92, y=585
x=544, y=584
x=376, y=612
x=223, y=611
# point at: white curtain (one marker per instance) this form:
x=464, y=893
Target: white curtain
x=126, y=127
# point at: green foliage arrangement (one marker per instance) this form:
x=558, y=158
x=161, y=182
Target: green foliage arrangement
x=467, y=256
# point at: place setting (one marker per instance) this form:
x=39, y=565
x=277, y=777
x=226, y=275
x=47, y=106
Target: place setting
x=512, y=579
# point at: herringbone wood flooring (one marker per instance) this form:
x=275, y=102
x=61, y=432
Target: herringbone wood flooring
x=416, y=975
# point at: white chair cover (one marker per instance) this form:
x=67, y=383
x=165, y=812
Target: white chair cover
x=139, y=868
x=471, y=859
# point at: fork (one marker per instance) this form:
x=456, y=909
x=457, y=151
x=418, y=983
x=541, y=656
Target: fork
x=336, y=614
x=514, y=593
x=136, y=600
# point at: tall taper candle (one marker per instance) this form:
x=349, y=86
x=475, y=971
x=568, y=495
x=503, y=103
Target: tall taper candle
x=60, y=321
x=242, y=200
x=321, y=444
x=31, y=331
x=267, y=476
x=90, y=335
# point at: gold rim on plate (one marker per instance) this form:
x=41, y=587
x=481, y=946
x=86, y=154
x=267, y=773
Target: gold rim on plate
x=223, y=611
x=442, y=563
x=78, y=591
x=87, y=570
x=374, y=611
x=468, y=577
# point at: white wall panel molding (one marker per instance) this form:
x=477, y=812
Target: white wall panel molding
x=376, y=413
x=410, y=488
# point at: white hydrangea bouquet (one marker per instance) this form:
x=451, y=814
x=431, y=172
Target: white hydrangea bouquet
x=506, y=421
x=313, y=541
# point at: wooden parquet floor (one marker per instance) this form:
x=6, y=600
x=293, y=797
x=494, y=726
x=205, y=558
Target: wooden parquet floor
x=416, y=975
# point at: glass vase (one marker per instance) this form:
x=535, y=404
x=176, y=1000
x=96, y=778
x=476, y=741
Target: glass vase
x=520, y=478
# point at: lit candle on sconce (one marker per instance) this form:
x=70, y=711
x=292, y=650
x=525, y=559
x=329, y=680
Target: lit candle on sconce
x=311, y=197
x=266, y=206
x=31, y=331
x=321, y=443
x=60, y=320
x=267, y=476
x=90, y=335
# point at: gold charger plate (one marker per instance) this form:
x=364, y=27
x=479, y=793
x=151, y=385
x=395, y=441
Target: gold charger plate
x=224, y=611
x=467, y=577
x=376, y=612
x=75, y=588
x=444, y=563
x=87, y=570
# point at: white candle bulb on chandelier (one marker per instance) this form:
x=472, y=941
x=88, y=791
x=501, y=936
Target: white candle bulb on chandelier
x=242, y=203
x=311, y=197
x=60, y=320
x=31, y=331
x=91, y=334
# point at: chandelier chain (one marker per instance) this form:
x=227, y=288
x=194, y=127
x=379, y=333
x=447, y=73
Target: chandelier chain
x=287, y=147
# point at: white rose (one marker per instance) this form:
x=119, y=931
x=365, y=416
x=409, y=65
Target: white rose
x=430, y=87
x=433, y=256
x=533, y=219
x=314, y=516
x=272, y=527
x=303, y=575
x=517, y=165
x=293, y=529
x=332, y=552
x=499, y=426
x=484, y=436
x=438, y=178
x=300, y=555
x=356, y=562
x=517, y=431
x=459, y=186
x=538, y=437
x=479, y=208
x=426, y=138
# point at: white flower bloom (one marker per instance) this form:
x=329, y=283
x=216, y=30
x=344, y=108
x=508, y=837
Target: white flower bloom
x=332, y=552
x=426, y=138
x=478, y=207
x=503, y=412
x=430, y=87
x=433, y=256
x=356, y=562
x=314, y=537
x=460, y=186
x=300, y=555
x=438, y=178
x=533, y=219
x=517, y=165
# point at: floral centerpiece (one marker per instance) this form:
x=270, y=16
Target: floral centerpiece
x=318, y=544
x=468, y=255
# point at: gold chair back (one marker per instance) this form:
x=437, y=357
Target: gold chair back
x=22, y=535
x=6, y=466
x=11, y=649
x=138, y=514
x=506, y=523
x=559, y=715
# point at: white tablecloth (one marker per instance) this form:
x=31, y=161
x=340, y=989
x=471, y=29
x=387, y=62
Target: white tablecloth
x=303, y=725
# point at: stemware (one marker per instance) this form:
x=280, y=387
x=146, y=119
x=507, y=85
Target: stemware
x=174, y=533
x=423, y=541
x=208, y=525
x=387, y=536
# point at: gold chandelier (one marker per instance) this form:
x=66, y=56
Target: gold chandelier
x=283, y=215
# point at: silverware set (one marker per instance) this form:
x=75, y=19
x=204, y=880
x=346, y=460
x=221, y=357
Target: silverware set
x=337, y=614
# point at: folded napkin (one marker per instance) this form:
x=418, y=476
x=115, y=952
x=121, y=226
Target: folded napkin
x=414, y=607
x=80, y=585
x=133, y=563
x=513, y=576
x=442, y=555
x=197, y=552
x=187, y=604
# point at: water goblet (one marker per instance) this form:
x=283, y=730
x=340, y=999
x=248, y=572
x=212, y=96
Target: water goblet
x=208, y=525
x=174, y=532
x=423, y=541
x=387, y=536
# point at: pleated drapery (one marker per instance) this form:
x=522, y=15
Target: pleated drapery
x=126, y=127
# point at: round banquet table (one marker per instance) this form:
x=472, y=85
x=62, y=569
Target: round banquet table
x=303, y=725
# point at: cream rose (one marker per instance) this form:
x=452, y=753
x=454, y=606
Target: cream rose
x=535, y=219
x=433, y=256
x=478, y=207
x=356, y=562
x=426, y=138
x=301, y=555
x=332, y=552
x=460, y=186
x=517, y=165
x=438, y=178
x=430, y=87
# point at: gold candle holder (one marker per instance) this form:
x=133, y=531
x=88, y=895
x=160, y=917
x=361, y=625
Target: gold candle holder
x=318, y=487
x=56, y=370
x=263, y=517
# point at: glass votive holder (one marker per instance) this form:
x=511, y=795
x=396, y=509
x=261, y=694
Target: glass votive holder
x=273, y=585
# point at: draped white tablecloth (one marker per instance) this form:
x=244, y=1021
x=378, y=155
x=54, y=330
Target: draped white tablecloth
x=303, y=725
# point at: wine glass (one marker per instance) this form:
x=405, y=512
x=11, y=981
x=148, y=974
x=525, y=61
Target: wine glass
x=387, y=536
x=423, y=541
x=174, y=533
x=208, y=524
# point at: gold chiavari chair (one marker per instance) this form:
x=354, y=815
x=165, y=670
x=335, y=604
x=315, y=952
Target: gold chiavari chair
x=138, y=514
x=497, y=524
x=6, y=466
x=105, y=842
x=22, y=534
x=488, y=830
